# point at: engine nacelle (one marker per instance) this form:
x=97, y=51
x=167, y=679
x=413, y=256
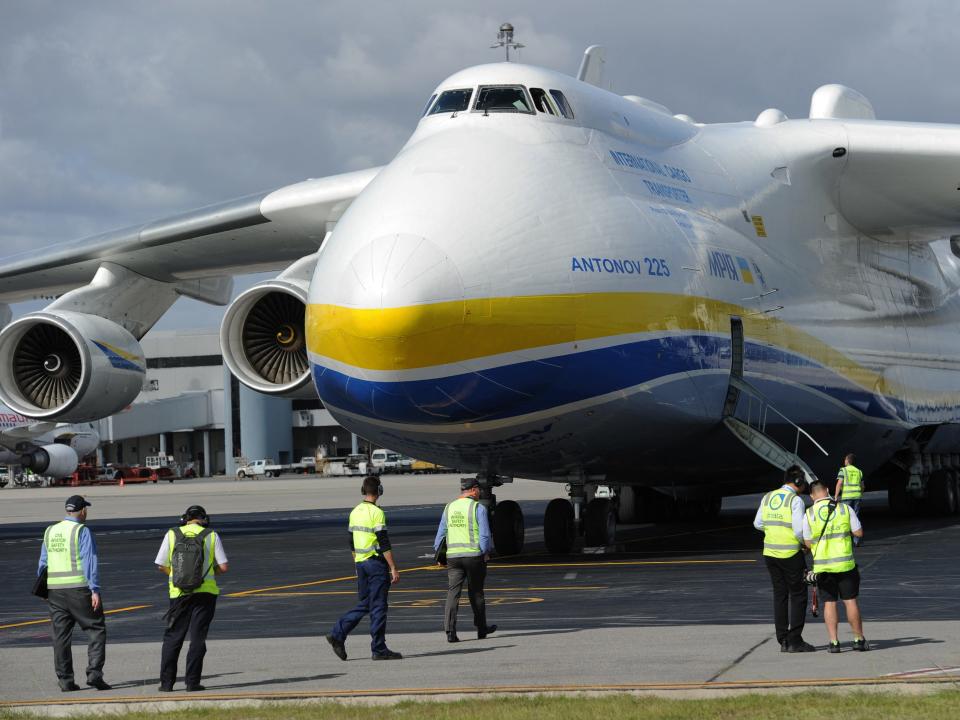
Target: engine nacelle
x=263, y=339
x=56, y=461
x=69, y=366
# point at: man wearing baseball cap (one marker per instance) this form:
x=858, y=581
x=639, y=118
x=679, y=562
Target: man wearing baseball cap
x=69, y=554
x=466, y=528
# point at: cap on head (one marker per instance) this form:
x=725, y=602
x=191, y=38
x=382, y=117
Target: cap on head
x=76, y=503
x=194, y=512
x=468, y=484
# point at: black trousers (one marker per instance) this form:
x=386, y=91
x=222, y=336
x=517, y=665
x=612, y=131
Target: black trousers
x=474, y=571
x=70, y=607
x=789, y=596
x=194, y=615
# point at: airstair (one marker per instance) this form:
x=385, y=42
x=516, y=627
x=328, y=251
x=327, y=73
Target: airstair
x=746, y=412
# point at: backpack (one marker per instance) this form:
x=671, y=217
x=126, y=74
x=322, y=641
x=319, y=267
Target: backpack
x=187, y=564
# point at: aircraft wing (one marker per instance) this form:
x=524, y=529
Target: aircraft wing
x=260, y=232
x=902, y=177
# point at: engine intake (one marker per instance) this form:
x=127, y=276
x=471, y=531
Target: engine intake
x=263, y=339
x=68, y=366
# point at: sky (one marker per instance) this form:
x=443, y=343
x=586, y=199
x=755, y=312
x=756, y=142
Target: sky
x=115, y=113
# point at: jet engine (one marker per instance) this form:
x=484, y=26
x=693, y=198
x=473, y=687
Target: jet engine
x=68, y=366
x=56, y=461
x=264, y=342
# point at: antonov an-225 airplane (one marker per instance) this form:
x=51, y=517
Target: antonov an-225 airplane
x=557, y=282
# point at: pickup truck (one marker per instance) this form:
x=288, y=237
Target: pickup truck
x=306, y=465
x=265, y=467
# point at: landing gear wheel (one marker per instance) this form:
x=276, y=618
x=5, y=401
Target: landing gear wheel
x=956, y=491
x=898, y=498
x=941, y=493
x=559, y=528
x=712, y=507
x=627, y=507
x=508, y=530
x=600, y=523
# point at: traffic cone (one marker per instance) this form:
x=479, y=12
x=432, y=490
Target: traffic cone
x=121, y=481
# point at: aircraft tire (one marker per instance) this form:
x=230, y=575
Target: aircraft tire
x=600, y=523
x=956, y=490
x=559, y=528
x=941, y=493
x=508, y=530
x=627, y=505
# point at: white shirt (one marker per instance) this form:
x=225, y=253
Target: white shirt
x=854, y=524
x=796, y=513
x=163, y=557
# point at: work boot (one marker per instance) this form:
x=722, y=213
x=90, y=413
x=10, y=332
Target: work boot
x=488, y=630
x=452, y=637
x=801, y=647
x=165, y=688
x=69, y=686
x=195, y=688
x=99, y=684
x=834, y=647
x=387, y=655
x=338, y=649
x=861, y=644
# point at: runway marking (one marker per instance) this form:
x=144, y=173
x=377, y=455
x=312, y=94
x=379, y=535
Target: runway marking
x=46, y=620
x=298, y=593
x=312, y=583
x=601, y=563
x=213, y=695
x=437, y=602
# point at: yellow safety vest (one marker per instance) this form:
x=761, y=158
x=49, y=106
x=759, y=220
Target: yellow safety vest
x=852, y=488
x=366, y=520
x=833, y=552
x=463, y=528
x=779, y=540
x=64, y=569
x=209, y=584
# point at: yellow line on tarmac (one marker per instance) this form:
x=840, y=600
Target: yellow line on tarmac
x=432, y=590
x=497, y=566
x=213, y=695
x=312, y=583
x=46, y=620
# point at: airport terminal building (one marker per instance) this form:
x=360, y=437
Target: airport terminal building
x=193, y=409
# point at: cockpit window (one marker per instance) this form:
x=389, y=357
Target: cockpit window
x=451, y=101
x=503, y=98
x=542, y=102
x=562, y=104
x=429, y=103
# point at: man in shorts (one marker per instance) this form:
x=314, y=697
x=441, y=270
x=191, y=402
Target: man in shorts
x=828, y=530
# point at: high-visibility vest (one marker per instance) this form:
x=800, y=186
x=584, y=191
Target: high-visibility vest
x=852, y=483
x=366, y=520
x=833, y=551
x=779, y=540
x=463, y=528
x=64, y=568
x=209, y=584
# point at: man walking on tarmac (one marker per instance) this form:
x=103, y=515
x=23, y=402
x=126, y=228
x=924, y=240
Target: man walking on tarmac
x=780, y=518
x=69, y=554
x=466, y=528
x=828, y=530
x=192, y=555
x=376, y=571
x=850, y=486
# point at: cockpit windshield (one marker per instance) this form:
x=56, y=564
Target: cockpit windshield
x=503, y=98
x=451, y=101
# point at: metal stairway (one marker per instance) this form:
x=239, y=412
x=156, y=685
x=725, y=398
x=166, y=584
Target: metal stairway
x=752, y=431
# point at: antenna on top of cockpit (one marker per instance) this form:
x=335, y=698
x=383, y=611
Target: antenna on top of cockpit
x=505, y=39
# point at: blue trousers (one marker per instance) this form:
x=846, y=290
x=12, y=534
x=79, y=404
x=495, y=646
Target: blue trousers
x=373, y=584
x=855, y=506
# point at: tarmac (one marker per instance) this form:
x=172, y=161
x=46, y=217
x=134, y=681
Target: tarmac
x=672, y=608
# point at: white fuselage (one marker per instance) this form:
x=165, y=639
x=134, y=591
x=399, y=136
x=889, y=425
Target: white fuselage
x=524, y=294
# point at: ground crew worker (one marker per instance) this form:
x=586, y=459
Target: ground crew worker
x=69, y=553
x=376, y=571
x=466, y=528
x=828, y=529
x=850, y=486
x=190, y=610
x=780, y=517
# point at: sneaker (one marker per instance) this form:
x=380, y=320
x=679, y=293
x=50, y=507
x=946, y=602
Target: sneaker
x=488, y=630
x=801, y=647
x=69, y=686
x=338, y=649
x=452, y=637
x=387, y=655
x=834, y=647
x=861, y=644
x=99, y=684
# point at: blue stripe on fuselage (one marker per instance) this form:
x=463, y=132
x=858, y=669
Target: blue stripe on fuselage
x=526, y=387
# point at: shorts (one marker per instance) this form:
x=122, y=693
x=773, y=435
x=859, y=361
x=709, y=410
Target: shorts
x=846, y=585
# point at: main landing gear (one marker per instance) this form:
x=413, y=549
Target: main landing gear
x=506, y=518
x=930, y=486
x=564, y=520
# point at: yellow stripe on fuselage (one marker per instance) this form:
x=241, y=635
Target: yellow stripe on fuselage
x=421, y=336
